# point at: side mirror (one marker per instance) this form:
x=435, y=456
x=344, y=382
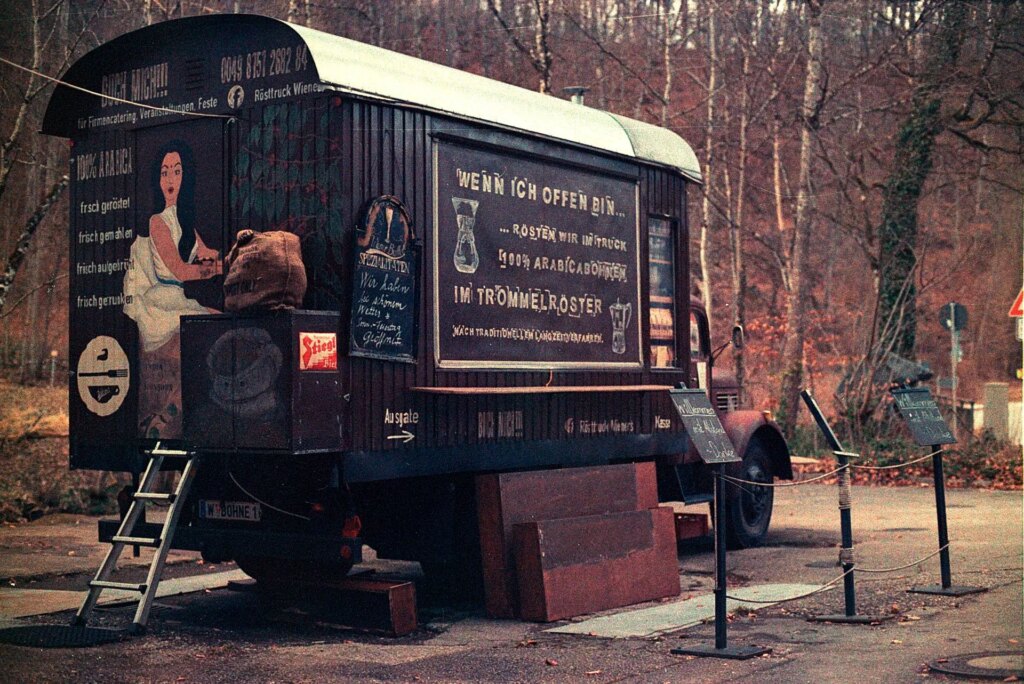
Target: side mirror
x=737, y=336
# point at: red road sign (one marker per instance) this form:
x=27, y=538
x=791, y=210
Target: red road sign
x=1017, y=310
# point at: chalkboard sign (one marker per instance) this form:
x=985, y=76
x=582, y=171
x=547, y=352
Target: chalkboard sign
x=383, y=319
x=535, y=264
x=702, y=424
x=919, y=410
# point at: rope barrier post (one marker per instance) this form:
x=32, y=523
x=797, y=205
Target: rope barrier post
x=921, y=414
x=721, y=581
x=946, y=588
x=940, y=509
x=712, y=444
x=846, y=558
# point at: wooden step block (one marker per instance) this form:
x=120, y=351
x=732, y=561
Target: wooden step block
x=573, y=566
x=503, y=500
x=691, y=526
x=373, y=604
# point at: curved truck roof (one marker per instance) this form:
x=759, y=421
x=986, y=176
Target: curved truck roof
x=378, y=74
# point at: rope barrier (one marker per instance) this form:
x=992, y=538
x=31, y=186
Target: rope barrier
x=736, y=480
x=837, y=471
x=825, y=587
x=903, y=567
x=110, y=97
x=898, y=465
x=831, y=583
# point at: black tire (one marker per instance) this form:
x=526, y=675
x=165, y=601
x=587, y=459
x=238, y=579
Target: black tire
x=749, y=507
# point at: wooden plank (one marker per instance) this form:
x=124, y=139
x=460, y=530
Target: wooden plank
x=378, y=605
x=691, y=526
x=506, y=499
x=573, y=566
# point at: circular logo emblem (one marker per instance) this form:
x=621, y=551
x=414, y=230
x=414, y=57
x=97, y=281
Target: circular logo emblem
x=103, y=376
x=236, y=96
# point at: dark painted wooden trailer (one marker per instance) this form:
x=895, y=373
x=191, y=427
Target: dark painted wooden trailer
x=497, y=280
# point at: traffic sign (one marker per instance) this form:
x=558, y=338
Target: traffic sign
x=1017, y=310
x=953, y=316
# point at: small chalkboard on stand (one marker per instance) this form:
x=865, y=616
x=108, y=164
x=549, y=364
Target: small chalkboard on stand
x=383, y=316
x=709, y=438
x=919, y=410
x=703, y=426
x=921, y=414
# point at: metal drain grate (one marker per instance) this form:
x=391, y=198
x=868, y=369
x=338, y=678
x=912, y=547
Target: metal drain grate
x=60, y=636
x=987, y=665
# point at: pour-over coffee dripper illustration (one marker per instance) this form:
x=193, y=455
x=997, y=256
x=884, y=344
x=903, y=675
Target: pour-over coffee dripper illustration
x=621, y=315
x=466, y=258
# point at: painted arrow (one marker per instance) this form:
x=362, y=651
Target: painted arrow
x=404, y=435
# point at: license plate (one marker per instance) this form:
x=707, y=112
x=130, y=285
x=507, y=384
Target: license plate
x=242, y=511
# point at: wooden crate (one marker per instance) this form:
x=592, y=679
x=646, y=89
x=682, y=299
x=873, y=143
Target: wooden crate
x=573, y=566
x=507, y=499
x=691, y=526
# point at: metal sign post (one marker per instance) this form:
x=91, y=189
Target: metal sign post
x=712, y=444
x=921, y=413
x=845, y=523
x=953, y=317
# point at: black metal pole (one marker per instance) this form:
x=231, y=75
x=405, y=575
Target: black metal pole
x=721, y=619
x=940, y=509
x=845, y=521
x=846, y=528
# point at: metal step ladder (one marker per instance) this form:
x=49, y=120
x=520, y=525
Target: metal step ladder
x=124, y=537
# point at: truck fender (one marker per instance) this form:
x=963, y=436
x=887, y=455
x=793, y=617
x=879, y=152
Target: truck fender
x=744, y=426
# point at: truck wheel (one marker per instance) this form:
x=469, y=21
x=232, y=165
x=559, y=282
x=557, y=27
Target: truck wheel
x=749, y=506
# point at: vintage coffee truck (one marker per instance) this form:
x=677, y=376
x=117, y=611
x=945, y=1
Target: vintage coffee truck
x=497, y=280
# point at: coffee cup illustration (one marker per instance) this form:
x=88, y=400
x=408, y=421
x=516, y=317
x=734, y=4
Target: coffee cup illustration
x=104, y=393
x=244, y=365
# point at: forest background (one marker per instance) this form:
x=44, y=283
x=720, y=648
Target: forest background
x=862, y=164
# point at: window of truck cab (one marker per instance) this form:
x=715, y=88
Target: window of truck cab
x=700, y=348
x=662, y=295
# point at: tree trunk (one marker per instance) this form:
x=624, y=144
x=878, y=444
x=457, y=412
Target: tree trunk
x=709, y=166
x=540, y=52
x=739, y=272
x=902, y=191
x=17, y=256
x=796, y=309
x=543, y=49
x=666, y=62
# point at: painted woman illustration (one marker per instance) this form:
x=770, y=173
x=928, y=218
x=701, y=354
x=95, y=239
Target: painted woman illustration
x=172, y=254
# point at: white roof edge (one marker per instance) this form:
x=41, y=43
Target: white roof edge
x=662, y=146
x=382, y=74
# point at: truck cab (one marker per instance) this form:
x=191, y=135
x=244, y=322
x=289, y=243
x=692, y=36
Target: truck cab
x=754, y=434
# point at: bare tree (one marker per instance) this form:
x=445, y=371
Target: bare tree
x=46, y=34
x=796, y=309
x=707, y=215
x=539, y=52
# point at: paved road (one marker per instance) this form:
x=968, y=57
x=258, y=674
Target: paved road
x=231, y=636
